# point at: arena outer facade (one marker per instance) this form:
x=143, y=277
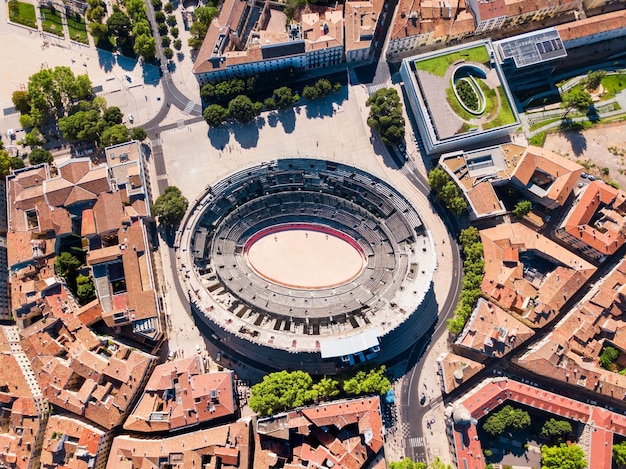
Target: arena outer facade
x=375, y=316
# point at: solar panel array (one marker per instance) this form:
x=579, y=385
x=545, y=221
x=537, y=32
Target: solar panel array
x=532, y=48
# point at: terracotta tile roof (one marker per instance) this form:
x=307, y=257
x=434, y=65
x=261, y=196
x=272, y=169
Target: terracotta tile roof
x=511, y=287
x=228, y=446
x=492, y=331
x=340, y=442
x=490, y=9
x=599, y=24
x=484, y=199
x=78, y=181
x=597, y=219
x=361, y=18
x=456, y=369
x=66, y=437
x=108, y=212
x=555, y=174
x=88, y=223
x=197, y=398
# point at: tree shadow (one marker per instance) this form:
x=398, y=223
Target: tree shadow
x=287, y=118
x=219, y=137
x=106, y=60
x=272, y=119
x=150, y=74
x=126, y=63
x=247, y=135
x=171, y=66
x=180, y=56
x=573, y=134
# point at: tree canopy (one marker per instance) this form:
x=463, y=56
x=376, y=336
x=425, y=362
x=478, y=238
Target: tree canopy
x=66, y=263
x=280, y=391
x=576, y=99
x=522, y=208
x=619, y=453
x=5, y=163
x=284, y=97
x=594, y=79
x=40, y=155
x=556, y=428
x=203, y=16
x=170, y=207
x=50, y=91
x=215, y=115
x=241, y=108
x=563, y=457
x=508, y=417
x=407, y=463
x=386, y=115
x=447, y=191
x=373, y=381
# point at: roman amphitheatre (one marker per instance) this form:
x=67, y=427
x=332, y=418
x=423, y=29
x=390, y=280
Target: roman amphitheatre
x=308, y=260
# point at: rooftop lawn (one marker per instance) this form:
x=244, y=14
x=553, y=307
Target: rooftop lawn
x=438, y=65
x=613, y=84
x=505, y=116
x=51, y=23
x=22, y=13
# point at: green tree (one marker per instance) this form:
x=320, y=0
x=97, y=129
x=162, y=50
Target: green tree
x=282, y=390
x=34, y=138
x=323, y=86
x=113, y=115
x=98, y=30
x=169, y=7
x=452, y=198
x=284, y=97
x=145, y=46
x=608, y=357
x=437, y=178
x=138, y=134
x=309, y=93
x=241, y=108
x=563, y=457
x=556, y=428
x=326, y=388
x=141, y=27
x=170, y=207
x=136, y=10
x=373, y=381
x=522, y=208
x=52, y=90
x=619, y=453
x=159, y=16
x=168, y=53
x=27, y=121
x=166, y=41
x=174, y=32
x=85, y=290
x=157, y=4
x=21, y=101
x=269, y=104
x=171, y=20
x=162, y=28
x=407, y=463
x=575, y=99
x=385, y=115
x=40, y=155
x=594, y=79
x=507, y=417
x=95, y=14
x=215, y=115
x=5, y=163
x=114, y=135
x=178, y=44
x=17, y=163
x=67, y=264
x=119, y=24
x=469, y=236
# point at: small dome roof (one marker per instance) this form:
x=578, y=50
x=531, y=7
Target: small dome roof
x=461, y=415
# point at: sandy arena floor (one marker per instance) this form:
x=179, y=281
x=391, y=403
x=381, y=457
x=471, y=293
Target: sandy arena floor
x=305, y=259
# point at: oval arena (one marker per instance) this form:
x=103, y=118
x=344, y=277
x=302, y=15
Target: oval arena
x=308, y=264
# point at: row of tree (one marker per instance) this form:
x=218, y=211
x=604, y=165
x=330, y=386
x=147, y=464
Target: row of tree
x=447, y=191
x=202, y=20
x=473, y=270
x=408, y=463
x=68, y=265
x=385, y=115
x=286, y=390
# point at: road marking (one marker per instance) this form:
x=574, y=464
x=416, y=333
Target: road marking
x=180, y=123
x=417, y=441
x=189, y=107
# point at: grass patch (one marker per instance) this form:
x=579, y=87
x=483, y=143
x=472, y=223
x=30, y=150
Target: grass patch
x=78, y=29
x=505, y=116
x=539, y=124
x=23, y=13
x=456, y=106
x=439, y=65
x=613, y=84
x=51, y=22
x=539, y=139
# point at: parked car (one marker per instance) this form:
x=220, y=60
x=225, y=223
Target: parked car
x=592, y=177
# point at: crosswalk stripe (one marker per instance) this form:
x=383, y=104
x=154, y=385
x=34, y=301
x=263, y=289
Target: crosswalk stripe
x=417, y=441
